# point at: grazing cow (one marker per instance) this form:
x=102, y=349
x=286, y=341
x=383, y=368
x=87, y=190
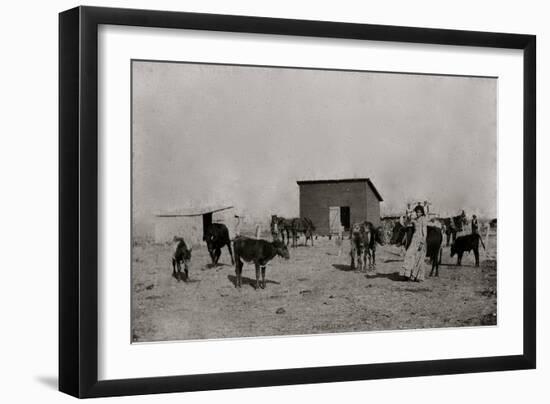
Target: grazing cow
x=302, y=225
x=260, y=252
x=281, y=226
x=216, y=236
x=434, y=240
x=181, y=255
x=469, y=242
x=453, y=225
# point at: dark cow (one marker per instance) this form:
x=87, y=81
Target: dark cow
x=468, y=243
x=453, y=225
x=302, y=225
x=434, y=241
x=260, y=252
x=402, y=235
x=181, y=255
x=374, y=236
x=216, y=236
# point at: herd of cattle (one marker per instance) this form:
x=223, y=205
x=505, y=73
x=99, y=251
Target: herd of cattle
x=363, y=237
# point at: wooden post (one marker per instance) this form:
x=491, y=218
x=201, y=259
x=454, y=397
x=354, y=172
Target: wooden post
x=258, y=231
x=238, y=226
x=339, y=240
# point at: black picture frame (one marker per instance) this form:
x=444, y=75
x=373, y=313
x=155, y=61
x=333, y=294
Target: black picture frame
x=78, y=201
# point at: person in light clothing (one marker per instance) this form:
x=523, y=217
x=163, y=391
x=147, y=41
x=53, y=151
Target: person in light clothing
x=339, y=238
x=413, y=265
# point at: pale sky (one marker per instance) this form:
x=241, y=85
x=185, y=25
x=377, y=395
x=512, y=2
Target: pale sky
x=237, y=135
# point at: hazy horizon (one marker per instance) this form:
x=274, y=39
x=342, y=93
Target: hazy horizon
x=242, y=136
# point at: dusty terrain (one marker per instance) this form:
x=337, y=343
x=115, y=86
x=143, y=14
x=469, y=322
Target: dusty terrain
x=313, y=292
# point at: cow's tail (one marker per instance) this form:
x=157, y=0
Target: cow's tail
x=481, y=239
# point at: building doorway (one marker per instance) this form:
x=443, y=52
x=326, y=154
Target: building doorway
x=345, y=216
x=339, y=215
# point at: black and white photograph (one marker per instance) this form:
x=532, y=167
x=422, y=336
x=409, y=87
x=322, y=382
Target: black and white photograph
x=285, y=202
x=275, y=201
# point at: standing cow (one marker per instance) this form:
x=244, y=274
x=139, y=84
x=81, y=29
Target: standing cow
x=468, y=243
x=434, y=241
x=374, y=236
x=260, y=252
x=359, y=238
x=453, y=225
x=216, y=236
x=181, y=255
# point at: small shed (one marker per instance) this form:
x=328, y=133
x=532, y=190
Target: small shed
x=191, y=223
x=331, y=203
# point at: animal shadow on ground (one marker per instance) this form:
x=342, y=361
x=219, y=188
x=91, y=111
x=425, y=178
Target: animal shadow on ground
x=396, y=253
x=342, y=267
x=180, y=276
x=218, y=265
x=248, y=281
x=394, y=276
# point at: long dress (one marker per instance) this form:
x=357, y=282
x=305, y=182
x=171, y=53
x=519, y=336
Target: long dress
x=413, y=265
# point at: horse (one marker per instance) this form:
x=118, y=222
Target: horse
x=279, y=226
x=302, y=225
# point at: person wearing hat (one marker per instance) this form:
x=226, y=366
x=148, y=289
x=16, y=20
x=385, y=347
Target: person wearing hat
x=475, y=225
x=413, y=265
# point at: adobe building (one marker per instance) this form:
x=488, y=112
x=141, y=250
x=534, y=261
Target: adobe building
x=331, y=202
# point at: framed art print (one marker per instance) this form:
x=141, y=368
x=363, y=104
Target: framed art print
x=250, y=201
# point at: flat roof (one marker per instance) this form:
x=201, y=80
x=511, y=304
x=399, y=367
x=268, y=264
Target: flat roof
x=191, y=211
x=338, y=181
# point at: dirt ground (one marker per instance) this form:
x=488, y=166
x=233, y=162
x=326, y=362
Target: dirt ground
x=313, y=292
